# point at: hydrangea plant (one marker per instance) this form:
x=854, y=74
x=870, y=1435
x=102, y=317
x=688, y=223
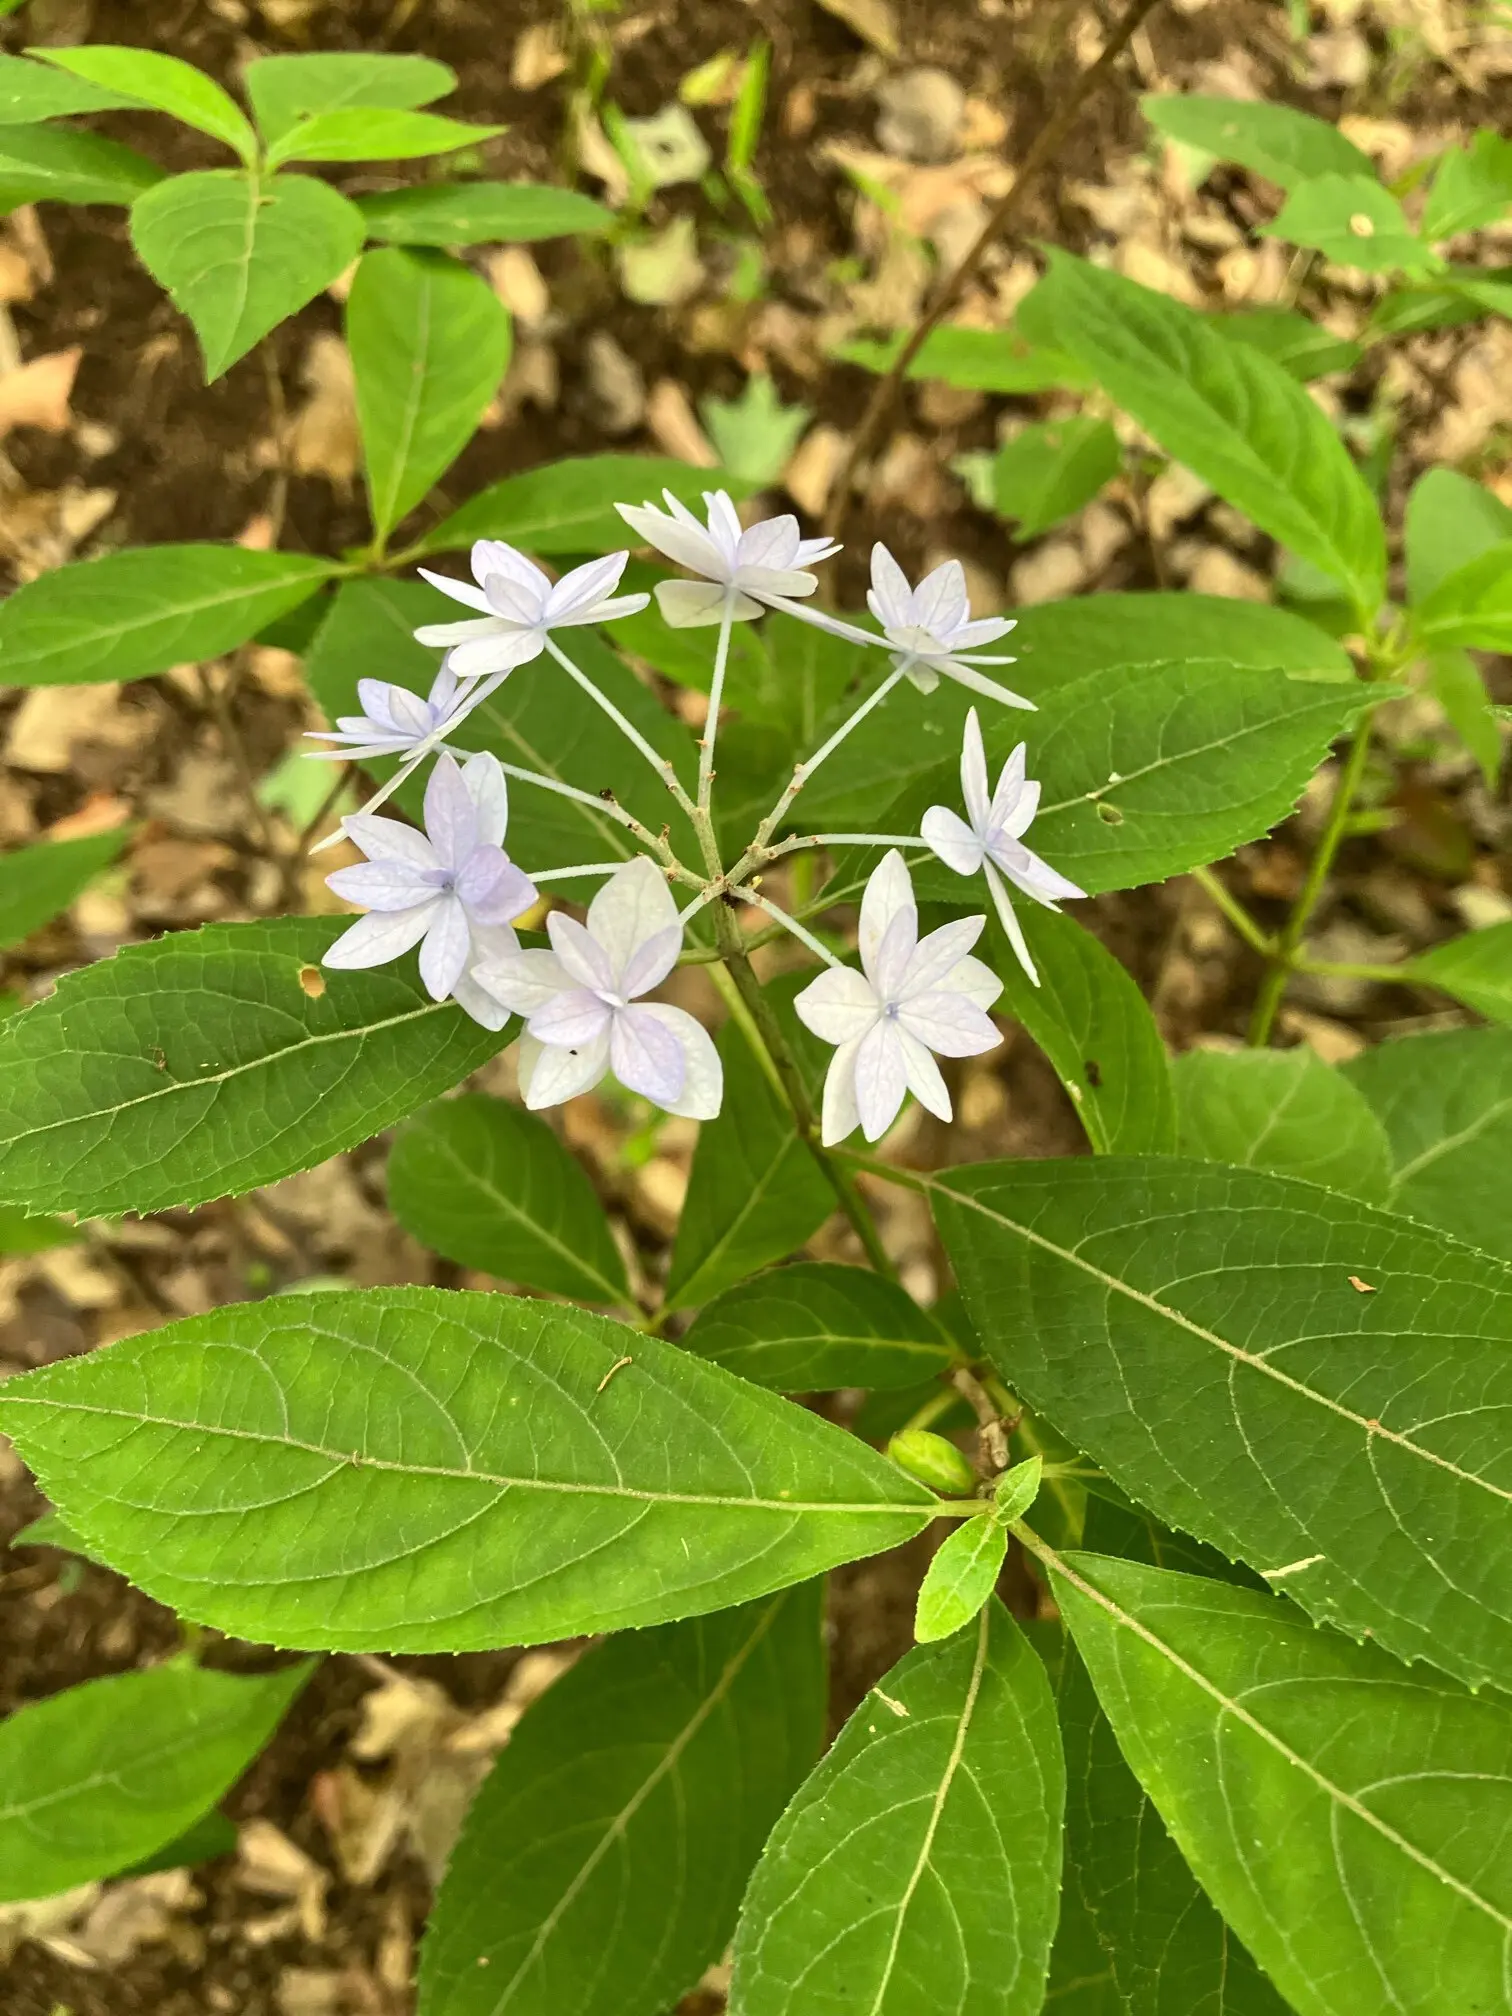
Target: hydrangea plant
x=1230, y=1389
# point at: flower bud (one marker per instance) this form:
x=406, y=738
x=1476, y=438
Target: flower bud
x=934, y=1461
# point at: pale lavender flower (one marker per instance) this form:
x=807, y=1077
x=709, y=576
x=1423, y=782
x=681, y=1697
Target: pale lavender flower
x=914, y=999
x=452, y=889
x=394, y=721
x=519, y=605
x=583, y=1014
x=930, y=629
x=989, y=840
x=744, y=571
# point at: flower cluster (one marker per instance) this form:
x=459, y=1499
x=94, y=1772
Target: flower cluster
x=452, y=890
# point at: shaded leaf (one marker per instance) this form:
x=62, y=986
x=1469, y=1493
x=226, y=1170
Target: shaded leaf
x=38, y=883
x=129, y=615
x=975, y=360
x=917, y=1869
x=166, y=84
x=492, y=1187
x=1303, y=1382
x=35, y=91
x=198, y=1066
x=1049, y=470
x=1352, y=220
x=206, y=1840
x=1229, y=413
x=374, y=133
x=1450, y=519
x=1472, y=186
x=1284, y=1110
x=1276, y=141
x=429, y=1471
x=1350, y=1818
x=429, y=343
x=1295, y=343
x=21, y=1233
x=104, y=1774
x=1444, y=1100
x=1455, y=682
x=568, y=507
x=480, y=213
x=286, y=89
x=1475, y=969
x=1472, y=606
x=239, y=253
x=814, y=1327
x=602, y=1863
x=40, y=164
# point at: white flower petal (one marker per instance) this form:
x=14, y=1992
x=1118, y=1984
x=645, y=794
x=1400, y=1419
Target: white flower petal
x=389, y=840
x=937, y=953
x=923, y=1075
x=451, y=817
x=940, y=602
x=383, y=885
x=523, y=981
x=895, y=955
x=476, y=1002
x=688, y=545
x=947, y=835
x=890, y=598
x=773, y=542
x=974, y=774
x=604, y=612
x=443, y=954
x=1010, y=789
x=633, y=906
x=1028, y=872
x=646, y=1057
x=692, y=605
x=985, y=630
x=977, y=982
x=572, y=1018
x=581, y=953
x=493, y=556
x=448, y=634
x=888, y=890
x=978, y=682
x=724, y=523
x=703, y=1074
x=776, y=583
x=651, y=962
x=1010, y=923
x=488, y=788
x=839, y=1006
x=501, y=652
x=459, y=591
x=518, y=606
x=1021, y=813
x=379, y=937
x=548, y=1075
x=949, y=1023
x=840, y=1117
x=585, y=585
x=880, y=1079
x=811, y=551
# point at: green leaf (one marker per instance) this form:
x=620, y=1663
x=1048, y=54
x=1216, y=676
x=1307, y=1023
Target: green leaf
x=815, y=1327
x=1444, y=1100
x=960, y=1578
x=1147, y=770
x=210, y=1837
x=40, y=164
x=1284, y=145
x=1490, y=291
x=1091, y=1021
x=1200, y=1333
x=21, y=1233
x=1169, y=1951
x=1455, y=682
x=480, y=213
x=1348, y=1817
x=1016, y=1490
x=35, y=91
x=1236, y=419
x=975, y=360
x=1291, y=340
x=1405, y=310
x=1352, y=220
x=568, y=507
x=49, y=1531
x=375, y=133
x=1284, y=1110
x=754, y=436
x=755, y=1193
x=1475, y=969
x=1472, y=606
x=601, y=1866
x=539, y=720
x=1449, y=520
x=197, y=1066
x=166, y=84
x=917, y=1869
x=491, y=1187
x=38, y=883
x=430, y=344
x=129, y=615
x=1472, y=187
x=1049, y=470
x=100, y=1776
x=239, y=254
x=428, y=1472
x=286, y=89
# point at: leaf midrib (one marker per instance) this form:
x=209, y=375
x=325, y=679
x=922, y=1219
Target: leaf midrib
x=386, y=513
x=81, y=639
x=1347, y=1800
x=682, y=1294
x=1500, y=1111
x=342, y=1459
x=1371, y=1429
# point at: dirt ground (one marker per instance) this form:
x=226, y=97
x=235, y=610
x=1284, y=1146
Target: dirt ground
x=346, y=1818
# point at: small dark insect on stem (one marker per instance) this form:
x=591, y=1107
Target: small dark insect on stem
x=1043, y=149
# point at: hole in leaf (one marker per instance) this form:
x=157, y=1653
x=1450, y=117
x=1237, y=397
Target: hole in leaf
x=312, y=982
x=1109, y=814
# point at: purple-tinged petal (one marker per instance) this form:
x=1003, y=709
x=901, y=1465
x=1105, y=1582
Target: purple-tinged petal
x=523, y=981
x=451, y=817
x=651, y=962
x=607, y=612
x=488, y=788
x=583, y=586
x=503, y=651
x=549, y=1076
x=631, y=908
x=493, y=556
x=389, y=840
x=580, y=953
x=379, y=937
x=703, y=1081
x=1035, y=877
x=646, y=1057
x=386, y=885
x=443, y=954
x=492, y=889
x=571, y=1019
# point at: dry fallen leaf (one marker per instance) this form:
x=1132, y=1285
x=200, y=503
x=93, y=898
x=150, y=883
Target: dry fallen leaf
x=674, y=426
x=37, y=394
x=323, y=434
x=873, y=20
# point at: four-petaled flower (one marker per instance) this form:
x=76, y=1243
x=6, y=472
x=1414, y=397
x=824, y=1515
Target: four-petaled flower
x=930, y=629
x=452, y=889
x=989, y=839
x=581, y=1008
x=743, y=572
x=913, y=997
x=519, y=605
x=394, y=721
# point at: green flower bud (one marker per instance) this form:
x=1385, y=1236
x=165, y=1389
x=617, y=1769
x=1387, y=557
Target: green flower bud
x=934, y=1461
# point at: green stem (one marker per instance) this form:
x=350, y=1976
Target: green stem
x=937, y=1404
x=1234, y=911
x=1284, y=953
x=765, y=1033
